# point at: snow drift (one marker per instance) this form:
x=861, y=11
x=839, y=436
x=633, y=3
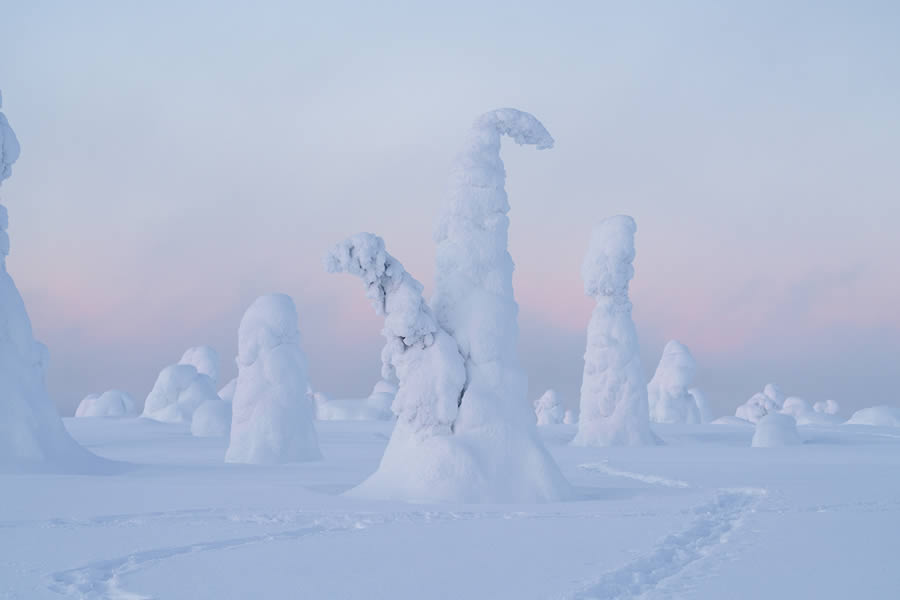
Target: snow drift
x=272, y=417
x=879, y=416
x=668, y=391
x=112, y=403
x=774, y=430
x=31, y=432
x=465, y=431
x=548, y=409
x=614, y=406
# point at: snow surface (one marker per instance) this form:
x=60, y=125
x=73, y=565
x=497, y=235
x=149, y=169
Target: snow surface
x=548, y=409
x=703, y=517
x=112, y=403
x=879, y=416
x=774, y=430
x=668, y=392
x=272, y=416
x=614, y=409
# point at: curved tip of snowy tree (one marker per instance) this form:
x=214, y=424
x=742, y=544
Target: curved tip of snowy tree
x=522, y=127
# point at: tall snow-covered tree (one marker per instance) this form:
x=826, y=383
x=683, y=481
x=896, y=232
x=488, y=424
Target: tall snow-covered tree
x=272, y=417
x=614, y=407
x=31, y=431
x=465, y=429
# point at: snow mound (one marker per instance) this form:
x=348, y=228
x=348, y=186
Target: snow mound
x=112, y=403
x=227, y=391
x=614, y=409
x=179, y=390
x=548, y=409
x=464, y=430
x=212, y=419
x=761, y=404
x=879, y=416
x=272, y=417
x=774, y=430
x=32, y=435
x=828, y=407
x=203, y=358
x=668, y=395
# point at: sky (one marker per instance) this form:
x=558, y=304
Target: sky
x=180, y=159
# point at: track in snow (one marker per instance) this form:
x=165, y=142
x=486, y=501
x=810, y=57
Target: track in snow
x=708, y=531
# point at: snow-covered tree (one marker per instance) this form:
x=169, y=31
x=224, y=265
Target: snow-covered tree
x=828, y=407
x=465, y=430
x=272, y=417
x=668, y=391
x=112, y=403
x=31, y=431
x=614, y=406
x=203, y=358
x=761, y=404
x=548, y=409
x=178, y=391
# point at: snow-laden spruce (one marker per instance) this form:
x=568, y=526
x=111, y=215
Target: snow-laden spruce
x=112, y=403
x=203, y=358
x=774, y=430
x=669, y=390
x=761, y=404
x=548, y=409
x=179, y=390
x=31, y=432
x=465, y=430
x=272, y=417
x=614, y=405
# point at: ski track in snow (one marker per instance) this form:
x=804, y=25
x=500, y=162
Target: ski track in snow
x=672, y=555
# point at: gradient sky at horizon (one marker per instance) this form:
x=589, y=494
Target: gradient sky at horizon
x=180, y=159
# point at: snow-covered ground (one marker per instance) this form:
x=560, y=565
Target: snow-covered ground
x=703, y=516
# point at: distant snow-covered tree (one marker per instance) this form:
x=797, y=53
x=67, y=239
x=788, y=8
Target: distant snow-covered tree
x=668, y=391
x=614, y=406
x=548, y=409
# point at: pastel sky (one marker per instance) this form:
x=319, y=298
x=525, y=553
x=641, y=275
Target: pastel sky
x=179, y=159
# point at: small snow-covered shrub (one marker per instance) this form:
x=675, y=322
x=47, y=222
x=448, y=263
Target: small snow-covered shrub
x=178, y=391
x=879, y=416
x=548, y=409
x=774, y=430
x=212, y=419
x=761, y=404
x=668, y=395
x=112, y=403
x=272, y=417
x=795, y=406
x=614, y=409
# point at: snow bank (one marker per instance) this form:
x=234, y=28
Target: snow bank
x=112, y=403
x=272, y=417
x=614, y=406
x=761, y=404
x=212, y=419
x=203, y=358
x=548, y=409
x=774, y=430
x=31, y=433
x=879, y=416
x=464, y=431
x=668, y=395
x=179, y=390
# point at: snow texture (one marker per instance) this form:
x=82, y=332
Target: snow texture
x=203, y=358
x=774, y=430
x=879, y=416
x=112, y=403
x=614, y=405
x=272, y=417
x=465, y=430
x=227, y=391
x=548, y=409
x=761, y=404
x=179, y=390
x=212, y=419
x=668, y=392
x=31, y=432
